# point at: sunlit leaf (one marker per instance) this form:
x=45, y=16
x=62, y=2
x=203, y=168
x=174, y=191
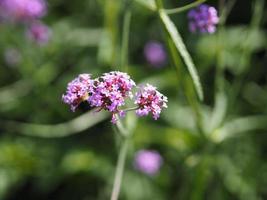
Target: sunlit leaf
x=177, y=40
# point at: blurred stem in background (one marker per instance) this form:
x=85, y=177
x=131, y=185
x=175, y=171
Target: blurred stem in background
x=258, y=11
x=224, y=11
x=125, y=38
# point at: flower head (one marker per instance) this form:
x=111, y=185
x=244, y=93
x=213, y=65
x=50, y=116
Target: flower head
x=22, y=10
x=149, y=100
x=148, y=161
x=155, y=53
x=78, y=90
x=39, y=33
x=203, y=19
x=110, y=92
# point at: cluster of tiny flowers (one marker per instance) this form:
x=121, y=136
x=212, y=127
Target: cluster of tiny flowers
x=155, y=54
x=149, y=100
x=22, y=10
x=203, y=19
x=110, y=91
x=78, y=90
x=148, y=162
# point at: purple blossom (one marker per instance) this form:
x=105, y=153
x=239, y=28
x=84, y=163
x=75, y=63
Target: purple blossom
x=203, y=19
x=22, y=10
x=149, y=100
x=78, y=90
x=148, y=161
x=39, y=33
x=155, y=53
x=110, y=92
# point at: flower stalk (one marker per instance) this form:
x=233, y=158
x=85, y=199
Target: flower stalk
x=120, y=169
x=184, y=8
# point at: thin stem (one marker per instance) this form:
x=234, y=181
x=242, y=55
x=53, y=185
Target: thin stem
x=120, y=169
x=225, y=11
x=125, y=39
x=184, y=8
x=131, y=109
x=122, y=130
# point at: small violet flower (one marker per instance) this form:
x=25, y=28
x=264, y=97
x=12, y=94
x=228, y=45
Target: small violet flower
x=22, y=10
x=38, y=33
x=110, y=91
x=149, y=100
x=77, y=91
x=203, y=19
x=148, y=162
x=155, y=54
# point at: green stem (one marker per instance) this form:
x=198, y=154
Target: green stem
x=125, y=39
x=120, y=169
x=130, y=109
x=184, y=8
x=122, y=130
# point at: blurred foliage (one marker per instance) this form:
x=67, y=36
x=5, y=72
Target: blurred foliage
x=215, y=149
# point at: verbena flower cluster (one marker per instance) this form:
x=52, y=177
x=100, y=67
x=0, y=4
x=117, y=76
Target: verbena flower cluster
x=149, y=100
x=27, y=12
x=155, y=54
x=148, y=162
x=110, y=91
x=78, y=91
x=203, y=19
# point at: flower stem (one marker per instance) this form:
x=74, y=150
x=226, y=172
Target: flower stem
x=120, y=169
x=130, y=109
x=184, y=8
x=125, y=39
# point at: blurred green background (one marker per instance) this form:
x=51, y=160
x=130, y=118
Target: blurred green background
x=48, y=152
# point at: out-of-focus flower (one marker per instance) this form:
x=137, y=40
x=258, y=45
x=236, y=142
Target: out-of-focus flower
x=22, y=10
x=149, y=100
x=38, y=33
x=203, y=19
x=110, y=92
x=148, y=161
x=78, y=90
x=12, y=57
x=155, y=54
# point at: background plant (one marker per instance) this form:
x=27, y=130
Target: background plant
x=212, y=149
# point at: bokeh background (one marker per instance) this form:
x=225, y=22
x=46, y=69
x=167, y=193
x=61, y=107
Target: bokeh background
x=48, y=152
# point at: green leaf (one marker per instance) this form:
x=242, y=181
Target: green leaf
x=239, y=125
x=150, y=4
x=65, y=129
x=218, y=113
x=180, y=46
